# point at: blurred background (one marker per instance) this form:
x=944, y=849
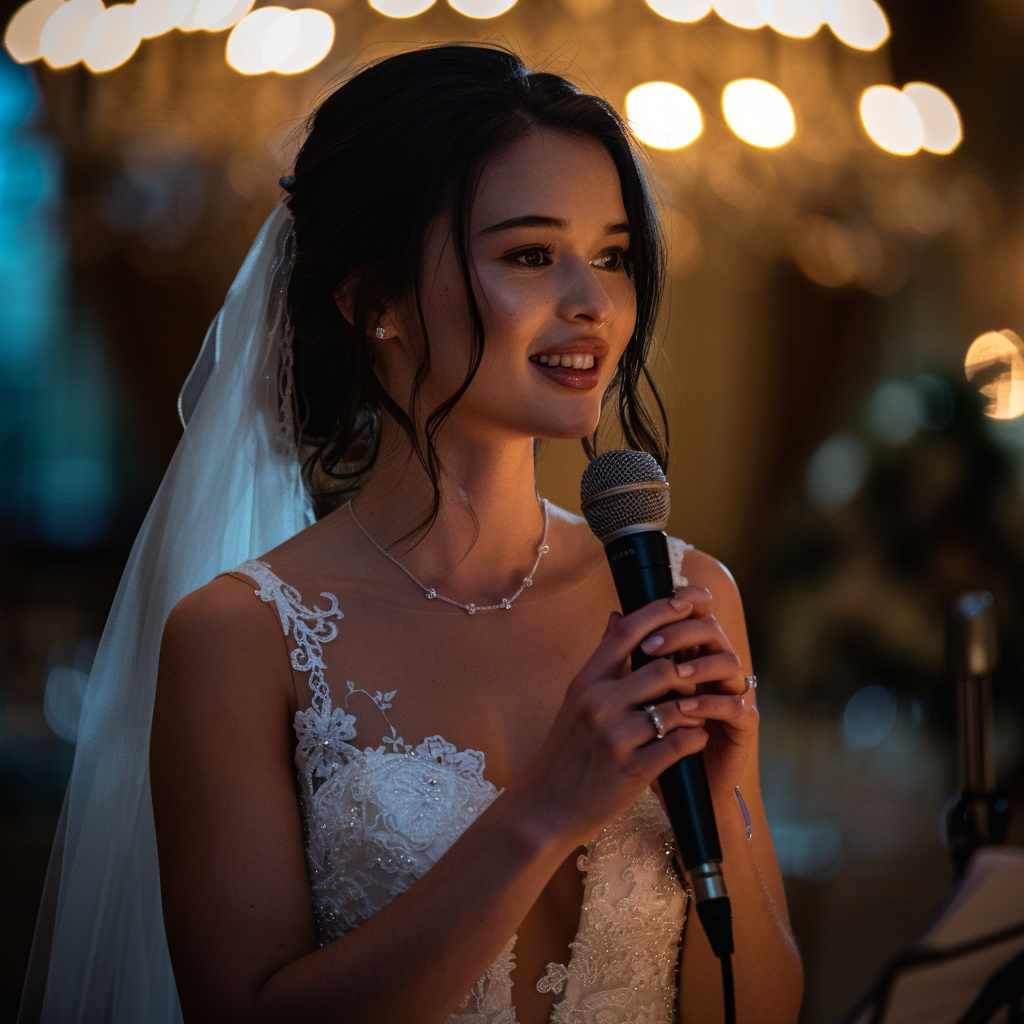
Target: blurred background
x=842, y=185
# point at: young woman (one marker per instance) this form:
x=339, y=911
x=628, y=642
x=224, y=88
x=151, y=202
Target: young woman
x=400, y=767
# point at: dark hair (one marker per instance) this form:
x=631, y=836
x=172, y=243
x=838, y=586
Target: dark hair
x=386, y=152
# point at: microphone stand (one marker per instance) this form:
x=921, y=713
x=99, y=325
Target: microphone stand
x=980, y=815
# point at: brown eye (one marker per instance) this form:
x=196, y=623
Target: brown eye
x=614, y=259
x=532, y=258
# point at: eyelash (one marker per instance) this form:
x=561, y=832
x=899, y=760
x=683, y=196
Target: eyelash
x=516, y=257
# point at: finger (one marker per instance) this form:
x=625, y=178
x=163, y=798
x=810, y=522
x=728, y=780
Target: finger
x=624, y=633
x=652, y=683
x=736, y=712
x=652, y=759
x=640, y=725
x=725, y=670
x=699, y=597
x=681, y=636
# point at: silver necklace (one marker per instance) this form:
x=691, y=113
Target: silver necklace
x=470, y=609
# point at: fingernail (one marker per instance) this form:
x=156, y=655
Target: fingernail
x=684, y=670
x=681, y=604
x=688, y=704
x=651, y=644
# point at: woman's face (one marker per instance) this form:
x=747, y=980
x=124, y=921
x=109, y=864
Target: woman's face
x=548, y=234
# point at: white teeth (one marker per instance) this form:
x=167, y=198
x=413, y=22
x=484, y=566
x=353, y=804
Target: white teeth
x=578, y=361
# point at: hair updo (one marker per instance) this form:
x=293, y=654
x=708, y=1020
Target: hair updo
x=395, y=145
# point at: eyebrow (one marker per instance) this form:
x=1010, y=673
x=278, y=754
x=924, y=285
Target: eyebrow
x=537, y=221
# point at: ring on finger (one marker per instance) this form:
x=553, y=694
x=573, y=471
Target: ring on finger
x=750, y=683
x=652, y=714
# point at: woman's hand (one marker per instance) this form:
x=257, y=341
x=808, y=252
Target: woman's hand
x=715, y=699
x=602, y=750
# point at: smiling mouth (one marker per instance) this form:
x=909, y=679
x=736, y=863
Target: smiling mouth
x=578, y=370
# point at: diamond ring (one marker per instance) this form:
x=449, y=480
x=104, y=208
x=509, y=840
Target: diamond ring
x=652, y=714
x=751, y=683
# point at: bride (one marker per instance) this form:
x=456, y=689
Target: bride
x=399, y=766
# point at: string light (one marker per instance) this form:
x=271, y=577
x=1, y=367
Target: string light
x=245, y=48
x=861, y=24
x=681, y=10
x=21, y=37
x=939, y=117
x=742, y=13
x=758, y=112
x=892, y=120
x=663, y=115
x=217, y=15
x=155, y=17
x=482, y=8
x=111, y=39
x=63, y=35
x=401, y=8
x=995, y=365
x=315, y=39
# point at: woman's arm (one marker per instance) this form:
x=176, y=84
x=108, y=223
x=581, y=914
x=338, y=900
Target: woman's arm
x=236, y=899
x=767, y=968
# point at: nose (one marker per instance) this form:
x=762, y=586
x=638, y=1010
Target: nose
x=582, y=296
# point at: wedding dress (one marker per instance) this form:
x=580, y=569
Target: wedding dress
x=377, y=819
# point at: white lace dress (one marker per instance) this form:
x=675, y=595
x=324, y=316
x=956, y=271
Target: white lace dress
x=379, y=818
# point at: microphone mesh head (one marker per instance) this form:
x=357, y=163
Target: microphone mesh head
x=634, y=501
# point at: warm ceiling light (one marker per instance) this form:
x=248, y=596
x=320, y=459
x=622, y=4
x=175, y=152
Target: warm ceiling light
x=861, y=24
x=60, y=42
x=892, y=120
x=245, y=49
x=995, y=365
x=155, y=17
x=681, y=10
x=798, y=19
x=742, y=13
x=217, y=15
x=939, y=117
x=758, y=112
x=662, y=115
x=316, y=37
x=112, y=38
x=482, y=8
x=401, y=8
x=21, y=37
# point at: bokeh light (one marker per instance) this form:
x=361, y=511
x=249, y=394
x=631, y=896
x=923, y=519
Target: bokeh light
x=663, y=115
x=155, y=17
x=758, y=112
x=217, y=15
x=868, y=717
x=63, y=34
x=742, y=13
x=995, y=366
x=892, y=120
x=401, y=8
x=681, y=10
x=482, y=8
x=861, y=24
x=799, y=19
x=836, y=471
x=315, y=39
x=111, y=39
x=21, y=38
x=245, y=49
x=939, y=117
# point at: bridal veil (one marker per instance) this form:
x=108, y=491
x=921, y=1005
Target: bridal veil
x=233, y=491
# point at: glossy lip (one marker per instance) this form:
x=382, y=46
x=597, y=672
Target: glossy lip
x=567, y=376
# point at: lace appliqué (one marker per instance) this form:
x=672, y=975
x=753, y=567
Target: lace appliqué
x=376, y=819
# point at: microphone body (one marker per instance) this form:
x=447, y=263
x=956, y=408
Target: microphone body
x=625, y=501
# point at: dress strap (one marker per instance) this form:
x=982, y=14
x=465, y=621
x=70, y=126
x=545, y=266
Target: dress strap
x=676, y=551
x=310, y=628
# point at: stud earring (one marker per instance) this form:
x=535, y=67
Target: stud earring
x=380, y=332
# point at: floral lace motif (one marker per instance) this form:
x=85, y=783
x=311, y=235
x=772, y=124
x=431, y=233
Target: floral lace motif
x=378, y=819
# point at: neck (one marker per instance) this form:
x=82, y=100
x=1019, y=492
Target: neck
x=485, y=537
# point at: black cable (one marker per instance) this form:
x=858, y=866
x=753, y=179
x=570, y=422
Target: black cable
x=728, y=990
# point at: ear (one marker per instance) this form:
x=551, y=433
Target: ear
x=344, y=297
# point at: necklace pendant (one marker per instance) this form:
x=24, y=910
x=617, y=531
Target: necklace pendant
x=430, y=594
x=527, y=581
x=544, y=549
x=470, y=608
x=506, y=604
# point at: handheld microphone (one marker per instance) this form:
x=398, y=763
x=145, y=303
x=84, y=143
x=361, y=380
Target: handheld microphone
x=625, y=499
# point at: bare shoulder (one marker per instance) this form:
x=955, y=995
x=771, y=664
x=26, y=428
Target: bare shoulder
x=221, y=640
x=704, y=570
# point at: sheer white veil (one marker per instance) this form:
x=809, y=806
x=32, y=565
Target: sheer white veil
x=233, y=491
